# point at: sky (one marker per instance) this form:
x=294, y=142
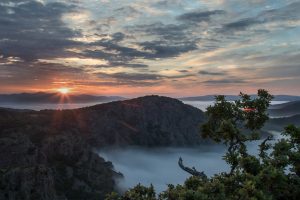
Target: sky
x=139, y=47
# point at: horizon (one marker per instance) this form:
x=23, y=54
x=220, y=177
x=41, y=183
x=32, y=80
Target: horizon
x=132, y=48
x=128, y=97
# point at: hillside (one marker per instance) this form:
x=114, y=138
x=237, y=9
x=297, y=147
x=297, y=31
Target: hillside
x=235, y=97
x=150, y=120
x=40, y=163
x=277, y=124
x=146, y=121
x=285, y=109
x=48, y=154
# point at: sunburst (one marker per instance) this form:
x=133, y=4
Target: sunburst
x=64, y=91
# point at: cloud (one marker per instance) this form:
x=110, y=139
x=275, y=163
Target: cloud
x=172, y=42
x=126, y=64
x=241, y=24
x=132, y=76
x=151, y=43
x=129, y=79
x=160, y=50
x=224, y=81
x=29, y=74
x=288, y=12
x=166, y=32
x=200, y=16
x=33, y=30
x=136, y=79
x=183, y=71
x=204, y=72
x=114, y=52
x=166, y=4
x=276, y=15
x=127, y=12
x=117, y=37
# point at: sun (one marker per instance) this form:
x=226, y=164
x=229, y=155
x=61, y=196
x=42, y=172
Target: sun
x=64, y=90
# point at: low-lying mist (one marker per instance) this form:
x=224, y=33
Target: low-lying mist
x=159, y=166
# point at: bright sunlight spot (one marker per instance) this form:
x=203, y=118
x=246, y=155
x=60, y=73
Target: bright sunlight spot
x=64, y=90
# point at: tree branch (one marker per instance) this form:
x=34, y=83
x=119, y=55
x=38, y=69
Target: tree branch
x=192, y=170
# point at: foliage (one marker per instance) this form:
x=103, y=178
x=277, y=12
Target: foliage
x=139, y=192
x=273, y=174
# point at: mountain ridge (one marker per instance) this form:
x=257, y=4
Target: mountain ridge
x=236, y=97
x=285, y=109
x=43, y=97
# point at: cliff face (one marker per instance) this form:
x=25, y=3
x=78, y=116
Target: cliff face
x=60, y=167
x=24, y=173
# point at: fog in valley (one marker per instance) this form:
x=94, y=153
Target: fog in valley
x=159, y=166
x=202, y=105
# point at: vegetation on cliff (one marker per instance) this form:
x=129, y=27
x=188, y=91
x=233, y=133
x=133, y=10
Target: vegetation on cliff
x=40, y=162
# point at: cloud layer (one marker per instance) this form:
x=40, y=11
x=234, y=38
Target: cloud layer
x=139, y=47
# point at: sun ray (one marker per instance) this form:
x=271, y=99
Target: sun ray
x=64, y=90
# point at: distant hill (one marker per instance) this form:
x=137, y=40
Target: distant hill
x=146, y=121
x=235, y=97
x=277, y=124
x=42, y=97
x=285, y=109
x=207, y=98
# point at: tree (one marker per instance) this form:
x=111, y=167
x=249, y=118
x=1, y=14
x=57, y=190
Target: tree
x=273, y=174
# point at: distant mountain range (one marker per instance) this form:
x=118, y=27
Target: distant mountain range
x=235, y=97
x=277, y=124
x=42, y=97
x=285, y=109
